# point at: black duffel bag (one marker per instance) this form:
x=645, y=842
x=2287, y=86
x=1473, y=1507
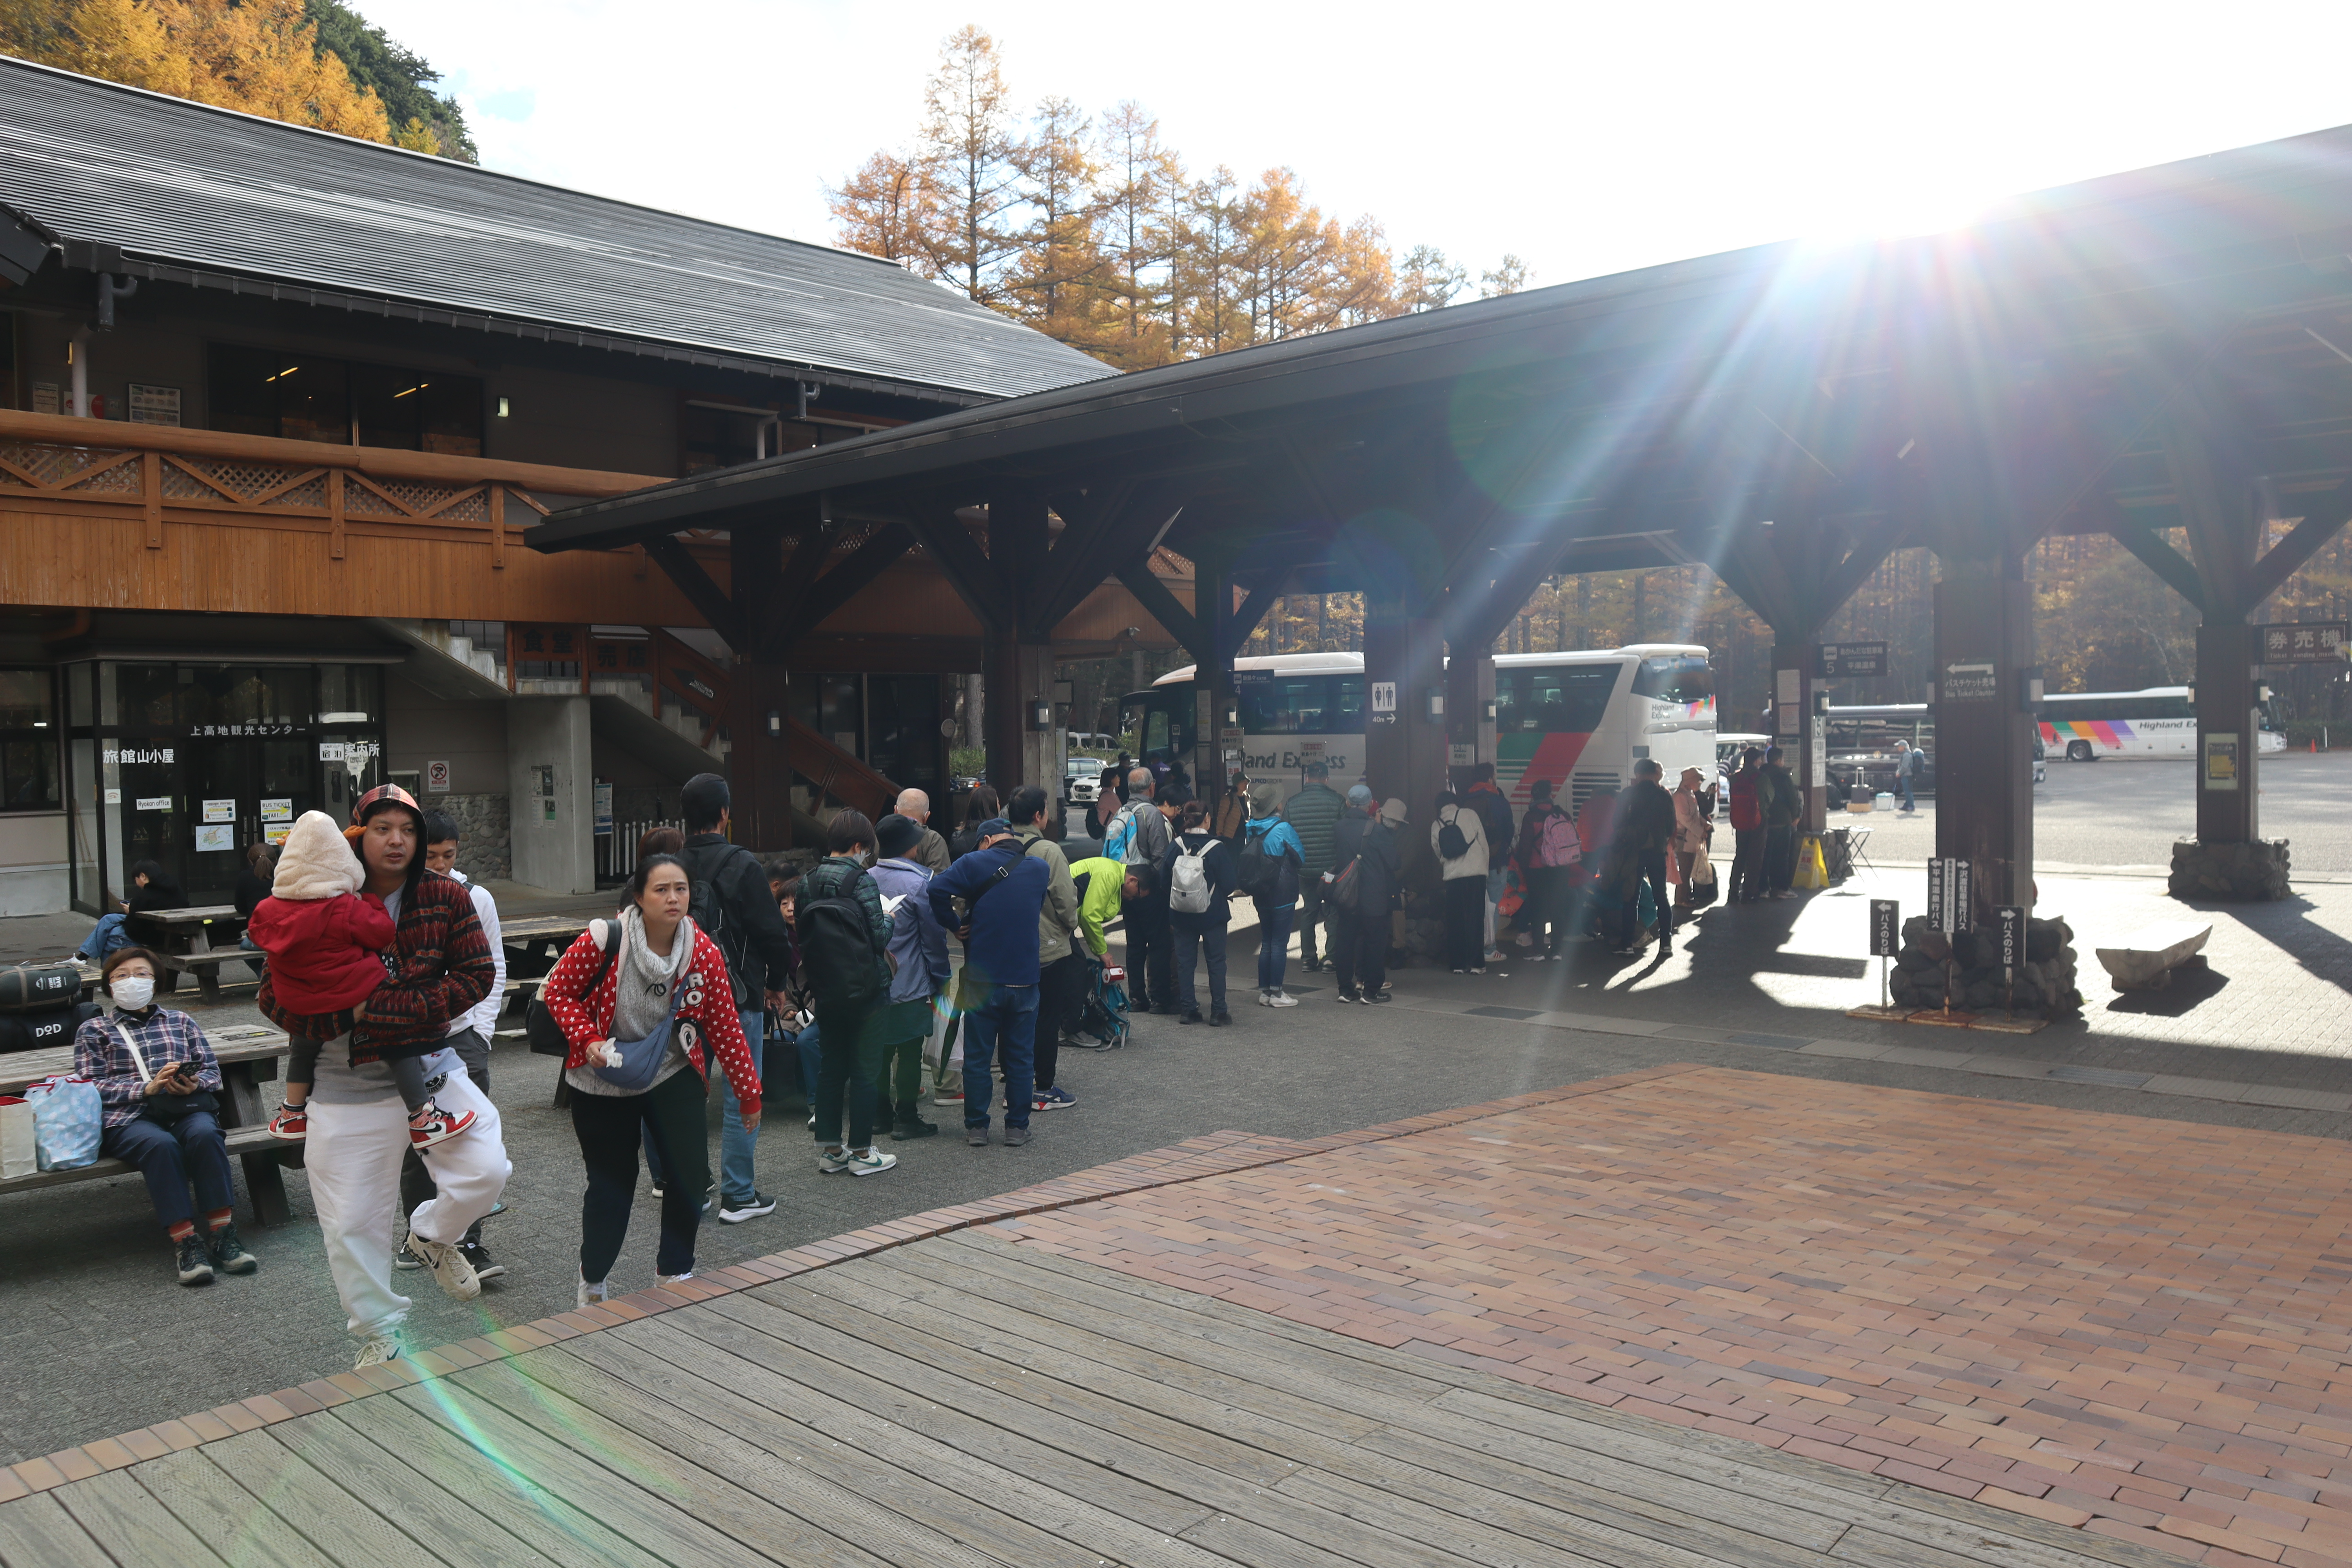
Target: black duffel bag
x=32, y=987
x=539, y=1024
x=46, y=1028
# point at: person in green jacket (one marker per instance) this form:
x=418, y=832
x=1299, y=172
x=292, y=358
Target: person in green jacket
x=1314, y=815
x=1103, y=885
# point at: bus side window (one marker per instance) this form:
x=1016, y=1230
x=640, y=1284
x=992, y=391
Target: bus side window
x=1350, y=719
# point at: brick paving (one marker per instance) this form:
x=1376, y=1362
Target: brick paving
x=2135, y=1327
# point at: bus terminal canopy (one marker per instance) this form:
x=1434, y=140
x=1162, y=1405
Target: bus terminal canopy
x=2169, y=349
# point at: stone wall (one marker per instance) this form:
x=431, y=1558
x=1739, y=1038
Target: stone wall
x=2045, y=980
x=2254, y=872
x=485, y=842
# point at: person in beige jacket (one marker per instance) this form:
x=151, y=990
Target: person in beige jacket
x=1459, y=838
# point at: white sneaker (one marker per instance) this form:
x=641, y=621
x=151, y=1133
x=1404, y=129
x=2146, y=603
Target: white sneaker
x=832, y=1161
x=673, y=1279
x=450, y=1269
x=594, y=1294
x=867, y=1163
x=1265, y=998
x=380, y=1349
x=1281, y=999
x=1494, y=956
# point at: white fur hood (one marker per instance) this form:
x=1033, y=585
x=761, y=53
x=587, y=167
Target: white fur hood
x=317, y=861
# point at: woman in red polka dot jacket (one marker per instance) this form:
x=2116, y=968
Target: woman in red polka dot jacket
x=641, y=1000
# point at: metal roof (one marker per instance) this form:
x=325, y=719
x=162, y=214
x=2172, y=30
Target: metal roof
x=2237, y=226
x=193, y=194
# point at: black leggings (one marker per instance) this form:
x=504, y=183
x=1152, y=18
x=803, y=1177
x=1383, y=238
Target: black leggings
x=676, y=1112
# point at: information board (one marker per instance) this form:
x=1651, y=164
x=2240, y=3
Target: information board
x=2009, y=926
x=1833, y=660
x=2306, y=642
x=1968, y=680
x=1951, y=898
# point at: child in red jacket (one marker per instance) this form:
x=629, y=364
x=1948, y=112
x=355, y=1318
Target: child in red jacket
x=327, y=944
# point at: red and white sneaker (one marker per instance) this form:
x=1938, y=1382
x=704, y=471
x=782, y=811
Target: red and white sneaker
x=433, y=1125
x=292, y=1122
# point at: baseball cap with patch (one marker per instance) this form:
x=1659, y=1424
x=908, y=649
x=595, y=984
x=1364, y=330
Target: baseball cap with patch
x=383, y=795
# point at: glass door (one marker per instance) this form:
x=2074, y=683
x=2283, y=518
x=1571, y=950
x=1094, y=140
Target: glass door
x=240, y=792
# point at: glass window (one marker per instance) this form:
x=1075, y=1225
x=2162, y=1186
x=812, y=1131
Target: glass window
x=1286, y=704
x=1682, y=680
x=303, y=397
x=418, y=411
x=1569, y=698
x=1348, y=710
x=28, y=740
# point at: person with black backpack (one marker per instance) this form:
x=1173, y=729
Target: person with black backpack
x=732, y=907
x=1271, y=859
x=845, y=937
x=1459, y=837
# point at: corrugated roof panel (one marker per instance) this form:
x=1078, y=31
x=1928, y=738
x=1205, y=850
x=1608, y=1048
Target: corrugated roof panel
x=177, y=182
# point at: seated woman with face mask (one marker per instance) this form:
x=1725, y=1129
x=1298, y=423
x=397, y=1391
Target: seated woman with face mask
x=159, y=1081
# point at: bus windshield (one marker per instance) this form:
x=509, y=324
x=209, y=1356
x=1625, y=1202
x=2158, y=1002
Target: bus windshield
x=1684, y=680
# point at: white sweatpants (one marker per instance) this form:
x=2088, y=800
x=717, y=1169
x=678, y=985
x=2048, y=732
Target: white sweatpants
x=353, y=1155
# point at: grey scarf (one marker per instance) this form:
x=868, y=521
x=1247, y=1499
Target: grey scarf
x=640, y=991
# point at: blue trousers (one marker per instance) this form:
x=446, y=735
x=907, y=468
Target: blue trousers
x=1006, y=1024
x=1273, y=943
x=1908, y=803
x=737, y=1143
x=170, y=1157
x=103, y=938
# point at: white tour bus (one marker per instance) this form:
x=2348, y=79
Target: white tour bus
x=2083, y=726
x=1581, y=720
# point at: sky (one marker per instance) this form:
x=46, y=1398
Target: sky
x=1586, y=139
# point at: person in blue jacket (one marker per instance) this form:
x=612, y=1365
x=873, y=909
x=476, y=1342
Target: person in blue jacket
x=1002, y=889
x=1198, y=871
x=1277, y=903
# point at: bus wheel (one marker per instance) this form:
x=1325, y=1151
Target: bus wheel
x=2078, y=751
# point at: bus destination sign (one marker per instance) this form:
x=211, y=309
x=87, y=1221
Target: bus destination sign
x=2307, y=642
x=1833, y=660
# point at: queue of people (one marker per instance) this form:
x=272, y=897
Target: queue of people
x=383, y=964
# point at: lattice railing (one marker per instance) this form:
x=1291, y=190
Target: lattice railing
x=330, y=490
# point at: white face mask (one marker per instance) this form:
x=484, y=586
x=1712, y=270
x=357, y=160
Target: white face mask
x=134, y=992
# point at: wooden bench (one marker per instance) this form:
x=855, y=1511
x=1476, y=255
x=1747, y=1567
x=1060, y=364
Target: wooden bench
x=2144, y=960
x=249, y=1059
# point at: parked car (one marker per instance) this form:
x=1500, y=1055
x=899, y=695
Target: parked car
x=1081, y=786
x=1729, y=747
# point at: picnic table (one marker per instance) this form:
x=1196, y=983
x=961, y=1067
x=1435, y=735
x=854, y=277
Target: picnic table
x=544, y=937
x=198, y=941
x=247, y=1054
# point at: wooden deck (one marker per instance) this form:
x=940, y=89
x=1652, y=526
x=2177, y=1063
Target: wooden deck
x=961, y=1401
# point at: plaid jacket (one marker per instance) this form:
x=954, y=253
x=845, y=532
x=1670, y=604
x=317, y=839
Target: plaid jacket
x=446, y=967
x=164, y=1037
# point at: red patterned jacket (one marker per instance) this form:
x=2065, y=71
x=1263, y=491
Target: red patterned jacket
x=586, y=1016
x=446, y=967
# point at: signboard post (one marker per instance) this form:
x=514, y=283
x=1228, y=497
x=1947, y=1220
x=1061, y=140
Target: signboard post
x=1885, y=943
x=1951, y=908
x=2009, y=930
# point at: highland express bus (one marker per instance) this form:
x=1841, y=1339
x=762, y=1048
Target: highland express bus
x=2159, y=721
x=1579, y=720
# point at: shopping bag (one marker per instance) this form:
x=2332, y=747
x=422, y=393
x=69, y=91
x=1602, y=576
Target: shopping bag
x=17, y=1139
x=1702, y=879
x=67, y=1123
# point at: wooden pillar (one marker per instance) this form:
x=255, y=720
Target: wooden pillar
x=759, y=761
x=1405, y=748
x=1469, y=686
x=1213, y=693
x=1984, y=731
x=1797, y=729
x=2228, y=802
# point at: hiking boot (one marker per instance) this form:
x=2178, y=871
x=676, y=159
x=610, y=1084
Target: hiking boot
x=229, y=1253
x=195, y=1263
x=380, y=1349
x=913, y=1127
x=1281, y=999
x=1015, y=1136
x=292, y=1122
x=450, y=1269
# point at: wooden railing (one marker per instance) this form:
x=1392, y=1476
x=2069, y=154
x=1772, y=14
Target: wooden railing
x=111, y=463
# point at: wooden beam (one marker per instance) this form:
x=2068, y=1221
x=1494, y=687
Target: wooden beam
x=1161, y=606
x=1245, y=620
x=854, y=575
x=966, y=566
x=1091, y=541
x=2159, y=557
x=1843, y=581
x=2321, y=519
x=683, y=569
